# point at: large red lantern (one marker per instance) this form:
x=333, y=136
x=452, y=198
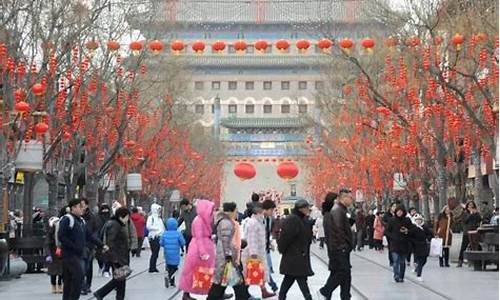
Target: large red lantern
x=136, y=47
x=325, y=45
x=91, y=45
x=177, y=47
x=22, y=107
x=156, y=46
x=113, y=45
x=368, y=44
x=457, y=40
x=198, y=47
x=288, y=170
x=38, y=89
x=346, y=44
x=218, y=47
x=303, y=45
x=240, y=46
x=261, y=46
x=282, y=46
x=41, y=128
x=244, y=171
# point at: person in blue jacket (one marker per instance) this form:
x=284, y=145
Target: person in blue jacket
x=172, y=241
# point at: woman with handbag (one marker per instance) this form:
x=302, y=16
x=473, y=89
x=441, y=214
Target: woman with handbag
x=201, y=253
x=116, y=238
x=442, y=230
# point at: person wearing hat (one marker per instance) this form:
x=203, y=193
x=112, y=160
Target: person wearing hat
x=293, y=243
x=421, y=237
x=340, y=245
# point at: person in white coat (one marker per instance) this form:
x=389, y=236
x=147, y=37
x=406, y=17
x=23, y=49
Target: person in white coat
x=155, y=228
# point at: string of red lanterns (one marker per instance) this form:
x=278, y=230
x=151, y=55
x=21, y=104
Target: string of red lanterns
x=283, y=45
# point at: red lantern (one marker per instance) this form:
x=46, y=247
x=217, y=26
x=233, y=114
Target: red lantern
x=391, y=42
x=41, y=128
x=325, y=45
x=346, y=44
x=261, y=46
x=244, y=171
x=218, y=47
x=113, y=45
x=303, y=45
x=282, y=46
x=240, y=46
x=198, y=46
x=130, y=144
x=91, y=45
x=38, y=89
x=136, y=47
x=22, y=107
x=413, y=42
x=156, y=46
x=368, y=44
x=177, y=47
x=457, y=40
x=19, y=95
x=288, y=170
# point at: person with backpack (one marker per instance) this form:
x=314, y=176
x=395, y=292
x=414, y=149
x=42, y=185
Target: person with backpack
x=155, y=228
x=54, y=259
x=116, y=238
x=172, y=241
x=73, y=235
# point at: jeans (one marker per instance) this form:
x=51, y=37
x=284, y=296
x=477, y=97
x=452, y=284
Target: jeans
x=155, y=249
x=288, y=282
x=463, y=247
x=420, y=261
x=444, y=260
x=339, y=276
x=87, y=273
x=73, y=276
x=271, y=282
x=399, y=265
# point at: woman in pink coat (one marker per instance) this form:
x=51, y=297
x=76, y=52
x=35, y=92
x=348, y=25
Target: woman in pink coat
x=201, y=251
x=378, y=232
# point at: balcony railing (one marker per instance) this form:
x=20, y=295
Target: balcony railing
x=285, y=137
x=266, y=152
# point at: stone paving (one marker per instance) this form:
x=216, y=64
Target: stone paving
x=372, y=279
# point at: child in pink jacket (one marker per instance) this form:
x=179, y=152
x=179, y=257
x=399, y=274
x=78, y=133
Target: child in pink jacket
x=378, y=232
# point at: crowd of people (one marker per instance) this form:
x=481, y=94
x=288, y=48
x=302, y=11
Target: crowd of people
x=233, y=249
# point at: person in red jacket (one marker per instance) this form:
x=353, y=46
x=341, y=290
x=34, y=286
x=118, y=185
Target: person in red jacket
x=139, y=223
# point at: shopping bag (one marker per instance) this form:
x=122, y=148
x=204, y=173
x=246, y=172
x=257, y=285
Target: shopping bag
x=255, y=272
x=436, y=247
x=230, y=276
x=202, y=278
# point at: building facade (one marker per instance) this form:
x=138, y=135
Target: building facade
x=261, y=105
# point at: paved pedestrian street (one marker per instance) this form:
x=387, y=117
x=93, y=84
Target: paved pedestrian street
x=372, y=279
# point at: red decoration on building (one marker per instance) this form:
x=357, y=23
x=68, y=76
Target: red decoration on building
x=261, y=46
x=325, y=45
x=303, y=45
x=288, y=170
x=244, y=171
x=240, y=46
x=198, y=47
x=218, y=46
x=282, y=46
x=177, y=47
x=156, y=46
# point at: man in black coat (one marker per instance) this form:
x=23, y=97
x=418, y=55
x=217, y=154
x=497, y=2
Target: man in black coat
x=93, y=226
x=340, y=245
x=385, y=220
x=293, y=243
x=370, y=221
x=73, y=236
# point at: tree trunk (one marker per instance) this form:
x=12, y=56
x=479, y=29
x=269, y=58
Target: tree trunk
x=4, y=203
x=91, y=191
x=493, y=180
x=53, y=205
x=478, y=178
x=442, y=178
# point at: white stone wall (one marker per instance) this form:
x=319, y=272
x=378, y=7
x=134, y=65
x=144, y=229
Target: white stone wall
x=234, y=189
